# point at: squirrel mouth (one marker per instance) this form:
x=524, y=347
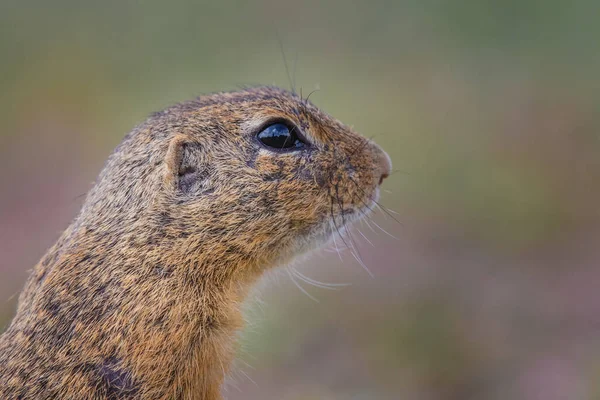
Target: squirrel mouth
x=344, y=217
x=337, y=221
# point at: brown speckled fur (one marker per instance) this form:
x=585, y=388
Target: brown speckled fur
x=140, y=296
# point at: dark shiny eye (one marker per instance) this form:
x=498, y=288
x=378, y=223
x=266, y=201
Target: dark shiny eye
x=279, y=136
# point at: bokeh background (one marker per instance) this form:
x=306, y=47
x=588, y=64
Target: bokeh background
x=489, y=110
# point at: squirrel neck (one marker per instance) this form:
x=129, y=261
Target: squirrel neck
x=161, y=311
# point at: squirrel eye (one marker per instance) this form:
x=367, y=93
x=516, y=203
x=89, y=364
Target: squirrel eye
x=280, y=137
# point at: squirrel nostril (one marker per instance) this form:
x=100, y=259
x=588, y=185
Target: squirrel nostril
x=383, y=176
x=385, y=165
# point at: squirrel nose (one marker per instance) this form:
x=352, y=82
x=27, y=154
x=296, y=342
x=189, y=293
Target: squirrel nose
x=385, y=165
x=382, y=177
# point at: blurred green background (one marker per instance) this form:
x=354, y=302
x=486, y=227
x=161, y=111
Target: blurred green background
x=488, y=109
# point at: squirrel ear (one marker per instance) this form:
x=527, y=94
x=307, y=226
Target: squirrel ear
x=183, y=164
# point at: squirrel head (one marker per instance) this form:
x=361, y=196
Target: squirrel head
x=252, y=177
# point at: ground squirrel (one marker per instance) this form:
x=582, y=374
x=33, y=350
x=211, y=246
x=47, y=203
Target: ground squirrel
x=140, y=297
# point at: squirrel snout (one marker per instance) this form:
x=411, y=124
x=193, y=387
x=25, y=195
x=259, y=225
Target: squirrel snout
x=384, y=164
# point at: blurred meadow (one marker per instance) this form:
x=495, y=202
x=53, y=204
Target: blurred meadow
x=490, y=111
